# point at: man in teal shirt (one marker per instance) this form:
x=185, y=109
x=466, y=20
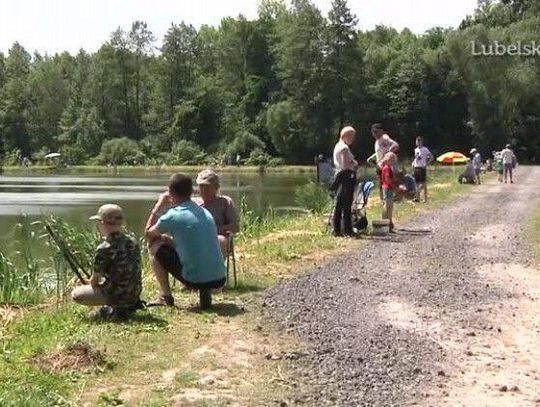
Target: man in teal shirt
x=183, y=242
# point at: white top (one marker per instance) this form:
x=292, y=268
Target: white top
x=382, y=146
x=343, y=156
x=422, y=157
x=477, y=161
x=507, y=156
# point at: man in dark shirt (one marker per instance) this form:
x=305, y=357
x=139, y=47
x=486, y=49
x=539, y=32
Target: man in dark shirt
x=116, y=279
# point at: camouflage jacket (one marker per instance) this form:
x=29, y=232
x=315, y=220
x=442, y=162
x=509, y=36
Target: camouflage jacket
x=118, y=259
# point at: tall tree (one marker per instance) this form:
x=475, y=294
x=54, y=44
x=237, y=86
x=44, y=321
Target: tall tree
x=15, y=101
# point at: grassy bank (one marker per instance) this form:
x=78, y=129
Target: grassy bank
x=168, y=356
x=164, y=169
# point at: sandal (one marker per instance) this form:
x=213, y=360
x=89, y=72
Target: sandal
x=162, y=301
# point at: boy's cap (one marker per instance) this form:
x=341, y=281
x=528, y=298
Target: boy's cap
x=109, y=213
x=473, y=150
x=208, y=177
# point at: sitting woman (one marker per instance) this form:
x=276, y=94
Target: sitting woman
x=220, y=206
x=469, y=175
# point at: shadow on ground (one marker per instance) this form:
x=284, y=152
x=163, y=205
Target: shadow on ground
x=224, y=309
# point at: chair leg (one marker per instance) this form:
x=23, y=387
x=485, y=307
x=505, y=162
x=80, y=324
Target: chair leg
x=228, y=265
x=233, y=262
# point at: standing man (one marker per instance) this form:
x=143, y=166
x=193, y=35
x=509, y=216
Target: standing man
x=422, y=158
x=383, y=144
x=183, y=242
x=477, y=164
x=344, y=183
x=509, y=160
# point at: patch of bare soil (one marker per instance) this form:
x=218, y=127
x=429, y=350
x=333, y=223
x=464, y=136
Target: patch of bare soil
x=77, y=357
x=445, y=312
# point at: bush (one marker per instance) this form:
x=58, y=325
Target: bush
x=121, y=151
x=258, y=158
x=13, y=157
x=313, y=197
x=74, y=154
x=276, y=162
x=186, y=152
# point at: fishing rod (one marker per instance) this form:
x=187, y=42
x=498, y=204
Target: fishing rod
x=68, y=255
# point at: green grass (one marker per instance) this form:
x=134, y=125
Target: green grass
x=269, y=249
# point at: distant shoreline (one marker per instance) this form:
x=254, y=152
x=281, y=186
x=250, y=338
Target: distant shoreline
x=101, y=169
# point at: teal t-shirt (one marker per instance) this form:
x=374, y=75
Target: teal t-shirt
x=196, y=242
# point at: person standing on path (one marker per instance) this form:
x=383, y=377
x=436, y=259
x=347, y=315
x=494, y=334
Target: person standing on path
x=499, y=166
x=509, y=160
x=422, y=158
x=383, y=144
x=388, y=182
x=344, y=182
x=477, y=164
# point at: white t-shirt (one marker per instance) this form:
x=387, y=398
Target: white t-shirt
x=382, y=146
x=507, y=156
x=343, y=156
x=477, y=161
x=422, y=156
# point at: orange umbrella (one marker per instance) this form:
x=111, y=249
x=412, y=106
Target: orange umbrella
x=452, y=157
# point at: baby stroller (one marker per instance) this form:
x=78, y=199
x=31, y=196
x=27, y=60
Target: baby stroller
x=359, y=214
x=359, y=206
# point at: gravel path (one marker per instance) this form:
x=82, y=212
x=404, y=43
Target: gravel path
x=389, y=324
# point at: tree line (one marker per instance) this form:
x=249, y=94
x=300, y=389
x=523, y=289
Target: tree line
x=274, y=89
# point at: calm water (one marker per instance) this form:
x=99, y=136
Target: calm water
x=76, y=197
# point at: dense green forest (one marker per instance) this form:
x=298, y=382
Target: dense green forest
x=279, y=86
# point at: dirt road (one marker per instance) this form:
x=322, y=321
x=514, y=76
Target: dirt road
x=446, y=312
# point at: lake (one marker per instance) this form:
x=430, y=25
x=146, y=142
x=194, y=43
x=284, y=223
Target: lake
x=75, y=197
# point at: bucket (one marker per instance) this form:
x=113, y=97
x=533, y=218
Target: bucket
x=380, y=226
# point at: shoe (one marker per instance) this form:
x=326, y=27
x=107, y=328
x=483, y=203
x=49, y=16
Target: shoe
x=105, y=312
x=205, y=298
x=511, y=182
x=162, y=301
x=337, y=234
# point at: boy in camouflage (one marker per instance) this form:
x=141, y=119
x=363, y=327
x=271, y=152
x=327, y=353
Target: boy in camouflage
x=118, y=262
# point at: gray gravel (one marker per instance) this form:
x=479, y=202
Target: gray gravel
x=354, y=355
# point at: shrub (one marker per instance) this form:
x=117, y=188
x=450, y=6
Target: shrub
x=258, y=158
x=13, y=157
x=186, y=152
x=74, y=154
x=313, y=197
x=120, y=151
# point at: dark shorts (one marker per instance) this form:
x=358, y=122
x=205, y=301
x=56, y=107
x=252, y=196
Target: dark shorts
x=168, y=258
x=420, y=175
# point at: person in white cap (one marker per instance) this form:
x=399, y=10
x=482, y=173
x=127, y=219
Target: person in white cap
x=476, y=163
x=221, y=207
x=116, y=279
